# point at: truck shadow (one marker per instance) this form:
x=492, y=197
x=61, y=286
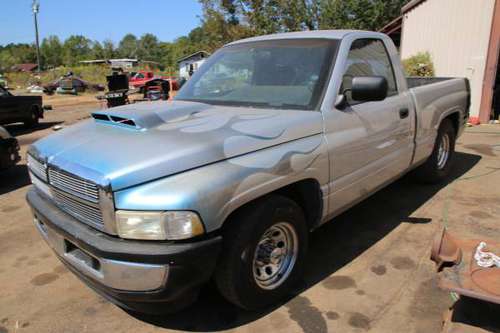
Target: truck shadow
x=331, y=248
x=14, y=178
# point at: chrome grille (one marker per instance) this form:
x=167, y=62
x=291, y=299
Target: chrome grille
x=37, y=167
x=86, y=212
x=77, y=186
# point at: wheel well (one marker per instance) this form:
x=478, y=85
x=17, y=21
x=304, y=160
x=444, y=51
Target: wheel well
x=455, y=120
x=306, y=193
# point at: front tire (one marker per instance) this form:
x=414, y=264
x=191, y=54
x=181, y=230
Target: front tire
x=264, y=251
x=439, y=164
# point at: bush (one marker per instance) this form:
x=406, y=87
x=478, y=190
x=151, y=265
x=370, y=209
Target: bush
x=419, y=65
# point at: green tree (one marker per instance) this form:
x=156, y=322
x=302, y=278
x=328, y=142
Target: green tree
x=51, y=51
x=127, y=48
x=108, y=49
x=76, y=48
x=97, y=50
x=13, y=54
x=6, y=61
x=271, y=16
x=148, y=48
x=358, y=14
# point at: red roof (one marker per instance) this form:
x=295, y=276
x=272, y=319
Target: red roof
x=25, y=67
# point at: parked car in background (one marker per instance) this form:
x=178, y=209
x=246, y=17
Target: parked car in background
x=9, y=150
x=70, y=84
x=271, y=138
x=25, y=109
x=140, y=78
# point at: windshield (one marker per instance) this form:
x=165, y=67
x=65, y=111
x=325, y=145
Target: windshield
x=287, y=74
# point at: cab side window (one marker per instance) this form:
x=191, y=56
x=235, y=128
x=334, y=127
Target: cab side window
x=368, y=57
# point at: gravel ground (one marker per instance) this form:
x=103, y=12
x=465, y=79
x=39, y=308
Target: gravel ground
x=369, y=270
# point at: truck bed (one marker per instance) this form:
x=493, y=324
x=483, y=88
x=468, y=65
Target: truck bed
x=417, y=81
x=446, y=95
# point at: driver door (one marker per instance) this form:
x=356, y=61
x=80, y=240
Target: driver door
x=370, y=142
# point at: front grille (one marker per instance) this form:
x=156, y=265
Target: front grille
x=74, y=195
x=86, y=212
x=37, y=167
x=77, y=186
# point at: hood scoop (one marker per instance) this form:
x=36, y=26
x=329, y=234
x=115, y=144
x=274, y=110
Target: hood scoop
x=138, y=122
x=114, y=119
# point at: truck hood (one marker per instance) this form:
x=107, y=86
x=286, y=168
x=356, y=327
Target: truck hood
x=133, y=144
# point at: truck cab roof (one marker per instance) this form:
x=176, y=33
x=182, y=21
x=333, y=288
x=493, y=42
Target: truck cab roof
x=322, y=34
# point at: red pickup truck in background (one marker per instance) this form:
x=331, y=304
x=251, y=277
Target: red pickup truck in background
x=139, y=79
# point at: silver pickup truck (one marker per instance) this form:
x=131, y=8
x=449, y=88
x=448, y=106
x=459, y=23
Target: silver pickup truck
x=272, y=137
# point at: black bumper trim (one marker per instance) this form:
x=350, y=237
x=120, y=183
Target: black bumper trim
x=190, y=264
x=105, y=246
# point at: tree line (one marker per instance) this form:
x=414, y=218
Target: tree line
x=222, y=21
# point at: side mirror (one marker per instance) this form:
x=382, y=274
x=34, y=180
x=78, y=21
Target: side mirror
x=369, y=88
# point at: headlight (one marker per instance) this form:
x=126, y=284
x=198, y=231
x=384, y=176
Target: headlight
x=158, y=225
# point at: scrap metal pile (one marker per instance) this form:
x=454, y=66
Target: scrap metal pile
x=471, y=270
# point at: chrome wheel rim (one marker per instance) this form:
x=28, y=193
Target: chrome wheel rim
x=443, y=151
x=275, y=255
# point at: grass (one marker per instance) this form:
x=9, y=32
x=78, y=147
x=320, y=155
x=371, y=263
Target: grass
x=90, y=73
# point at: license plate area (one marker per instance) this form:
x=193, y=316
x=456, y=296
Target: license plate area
x=81, y=256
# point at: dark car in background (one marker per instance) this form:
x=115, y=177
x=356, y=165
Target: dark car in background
x=25, y=109
x=70, y=84
x=9, y=150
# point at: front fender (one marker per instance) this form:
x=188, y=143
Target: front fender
x=214, y=191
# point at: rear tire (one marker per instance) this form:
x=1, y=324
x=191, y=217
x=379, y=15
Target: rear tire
x=439, y=164
x=34, y=118
x=264, y=250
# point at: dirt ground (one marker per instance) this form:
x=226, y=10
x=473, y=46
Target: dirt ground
x=369, y=270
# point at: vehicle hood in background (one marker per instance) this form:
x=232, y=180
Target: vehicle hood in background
x=137, y=143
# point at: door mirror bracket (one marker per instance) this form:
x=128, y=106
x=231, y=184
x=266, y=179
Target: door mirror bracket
x=341, y=101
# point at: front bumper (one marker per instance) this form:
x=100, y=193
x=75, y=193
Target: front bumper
x=9, y=153
x=128, y=273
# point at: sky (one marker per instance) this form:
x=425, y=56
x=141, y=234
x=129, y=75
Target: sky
x=98, y=19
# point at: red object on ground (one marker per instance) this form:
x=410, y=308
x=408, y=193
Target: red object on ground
x=142, y=77
x=477, y=286
x=458, y=270
x=474, y=120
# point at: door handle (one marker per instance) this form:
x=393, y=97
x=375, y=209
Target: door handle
x=404, y=113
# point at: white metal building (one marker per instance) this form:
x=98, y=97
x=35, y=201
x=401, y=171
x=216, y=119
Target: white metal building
x=122, y=63
x=190, y=64
x=463, y=38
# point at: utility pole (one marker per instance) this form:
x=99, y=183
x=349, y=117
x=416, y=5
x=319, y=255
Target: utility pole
x=36, y=8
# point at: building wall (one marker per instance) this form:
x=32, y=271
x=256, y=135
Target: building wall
x=456, y=33
x=184, y=67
